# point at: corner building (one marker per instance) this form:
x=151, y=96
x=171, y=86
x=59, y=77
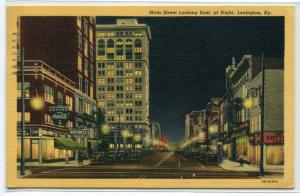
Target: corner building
x=123, y=81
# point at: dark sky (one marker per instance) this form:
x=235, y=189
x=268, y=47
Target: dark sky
x=188, y=57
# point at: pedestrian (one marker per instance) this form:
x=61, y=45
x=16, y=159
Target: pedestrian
x=241, y=159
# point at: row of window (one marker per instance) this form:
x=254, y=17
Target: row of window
x=120, y=96
x=119, y=33
x=121, y=118
x=85, y=47
x=119, y=43
x=102, y=81
x=86, y=28
x=120, y=73
x=120, y=104
x=118, y=88
x=119, y=65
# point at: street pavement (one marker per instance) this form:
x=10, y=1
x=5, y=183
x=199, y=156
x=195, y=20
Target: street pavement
x=160, y=165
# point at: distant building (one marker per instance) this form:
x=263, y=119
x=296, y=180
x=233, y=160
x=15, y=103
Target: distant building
x=244, y=81
x=155, y=133
x=196, y=125
x=123, y=81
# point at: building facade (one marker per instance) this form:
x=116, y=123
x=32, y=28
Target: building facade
x=64, y=47
x=244, y=83
x=155, y=133
x=123, y=81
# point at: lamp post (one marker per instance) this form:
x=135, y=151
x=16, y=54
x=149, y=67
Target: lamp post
x=36, y=103
x=248, y=104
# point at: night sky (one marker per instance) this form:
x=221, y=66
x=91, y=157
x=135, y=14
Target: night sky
x=188, y=57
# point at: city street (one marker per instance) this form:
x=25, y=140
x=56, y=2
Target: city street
x=158, y=165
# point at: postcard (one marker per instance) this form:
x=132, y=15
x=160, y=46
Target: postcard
x=150, y=96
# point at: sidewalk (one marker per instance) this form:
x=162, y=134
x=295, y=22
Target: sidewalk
x=72, y=163
x=235, y=166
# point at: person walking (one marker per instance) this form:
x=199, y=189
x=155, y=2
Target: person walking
x=241, y=159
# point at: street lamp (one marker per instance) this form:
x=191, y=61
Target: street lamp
x=36, y=103
x=248, y=103
x=105, y=129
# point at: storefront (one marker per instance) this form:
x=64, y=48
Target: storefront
x=274, y=149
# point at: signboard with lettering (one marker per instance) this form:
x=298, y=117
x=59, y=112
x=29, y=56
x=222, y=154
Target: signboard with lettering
x=59, y=114
x=269, y=138
x=79, y=132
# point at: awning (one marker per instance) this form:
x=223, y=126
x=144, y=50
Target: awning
x=67, y=144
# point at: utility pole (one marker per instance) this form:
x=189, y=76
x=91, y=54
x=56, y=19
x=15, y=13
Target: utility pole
x=262, y=100
x=23, y=131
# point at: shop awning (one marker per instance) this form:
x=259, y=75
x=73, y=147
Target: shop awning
x=67, y=144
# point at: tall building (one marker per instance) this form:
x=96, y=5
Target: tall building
x=155, y=133
x=59, y=66
x=123, y=81
x=244, y=122
x=196, y=125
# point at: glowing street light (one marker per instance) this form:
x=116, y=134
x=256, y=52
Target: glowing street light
x=137, y=137
x=125, y=133
x=248, y=103
x=37, y=103
x=105, y=129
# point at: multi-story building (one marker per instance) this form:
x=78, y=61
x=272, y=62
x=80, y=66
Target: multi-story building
x=155, y=133
x=213, y=122
x=65, y=47
x=196, y=125
x=123, y=81
x=244, y=82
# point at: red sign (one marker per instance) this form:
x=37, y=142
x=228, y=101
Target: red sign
x=269, y=138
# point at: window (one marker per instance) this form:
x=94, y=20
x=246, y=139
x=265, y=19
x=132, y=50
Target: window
x=119, y=47
x=138, y=80
x=91, y=72
x=119, y=95
x=86, y=68
x=128, y=88
x=110, y=118
x=86, y=87
x=138, y=88
x=80, y=82
x=101, y=104
x=101, y=65
x=110, y=88
x=138, y=73
x=138, y=49
x=91, y=36
x=119, y=88
x=128, y=95
x=129, y=118
x=128, y=80
x=69, y=124
x=86, y=30
x=69, y=102
x=120, y=73
x=138, y=95
x=101, y=47
x=60, y=98
x=120, y=65
x=101, y=73
x=128, y=49
x=110, y=73
x=81, y=106
x=85, y=49
x=138, y=118
x=110, y=80
x=128, y=110
x=27, y=116
x=26, y=85
x=138, y=103
x=79, y=63
x=91, y=90
x=91, y=53
x=128, y=65
x=110, y=95
x=101, y=81
x=48, y=119
x=79, y=21
x=101, y=96
x=48, y=93
x=110, y=104
x=101, y=88
x=79, y=40
x=138, y=65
